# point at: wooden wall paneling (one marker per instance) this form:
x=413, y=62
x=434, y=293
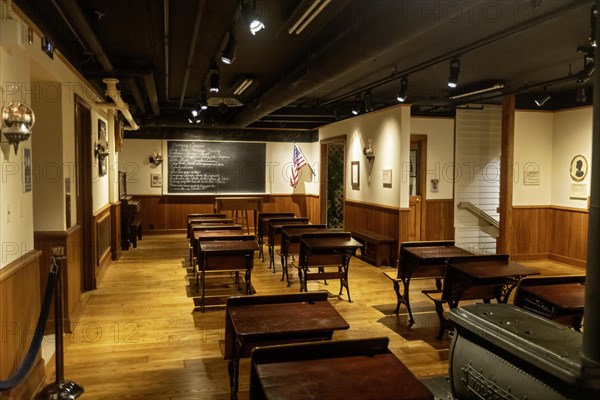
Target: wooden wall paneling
x=439, y=224
x=18, y=319
x=167, y=213
x=115, y=231
x=70, y=240
x=532, y=233
x=569, y=240
x=102, y=241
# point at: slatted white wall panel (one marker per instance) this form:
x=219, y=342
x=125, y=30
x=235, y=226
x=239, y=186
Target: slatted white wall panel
x=477, y=176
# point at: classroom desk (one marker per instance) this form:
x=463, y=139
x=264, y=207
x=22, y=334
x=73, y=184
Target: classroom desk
x=290, y=242
x=274, y=233
x=193, y=226
x=202, y=235
x=244, y=204
x=421, y=260
x=252, y=321
x=340, y=369
x=560, y=302
x=263, y=227
x=225, y=255
x=326, y=249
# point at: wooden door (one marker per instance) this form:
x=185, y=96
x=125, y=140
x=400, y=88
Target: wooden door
x=417, y=188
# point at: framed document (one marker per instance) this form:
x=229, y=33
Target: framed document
x=355, y=174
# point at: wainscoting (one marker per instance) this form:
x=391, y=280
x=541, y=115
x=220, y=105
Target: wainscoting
x=18, y=320
x=70, y=240
x=439, y=222
x=102, y=240
x=557, y=233
x=168, y=213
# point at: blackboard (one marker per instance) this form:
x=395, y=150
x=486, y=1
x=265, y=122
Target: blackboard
x=216, y=167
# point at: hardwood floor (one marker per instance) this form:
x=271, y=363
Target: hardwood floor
x=140, y=336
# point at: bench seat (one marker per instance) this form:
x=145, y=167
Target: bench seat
x=377, y=248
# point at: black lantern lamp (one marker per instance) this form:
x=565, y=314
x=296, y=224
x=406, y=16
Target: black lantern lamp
x=17, y=120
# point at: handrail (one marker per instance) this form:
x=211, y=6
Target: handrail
x=478, y=212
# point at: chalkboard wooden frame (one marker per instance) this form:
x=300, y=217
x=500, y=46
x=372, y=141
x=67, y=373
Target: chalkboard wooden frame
x=205, y=167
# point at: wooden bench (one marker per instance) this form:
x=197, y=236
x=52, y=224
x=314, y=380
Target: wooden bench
x=483, y=278
x=135, y=231
x=377, y=248
x=559, y=298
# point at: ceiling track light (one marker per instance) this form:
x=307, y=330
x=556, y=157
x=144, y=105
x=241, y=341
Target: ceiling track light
x=454, y=71
x=214, y=80
x=368, y=102
x=357, y=105
x=401, y=96
x=308, y=16
x=228, y=54
x=203, y=100
x=592, y=38
x=581, y=94
x=254, y=22
x=588, y=70
x=544, y=99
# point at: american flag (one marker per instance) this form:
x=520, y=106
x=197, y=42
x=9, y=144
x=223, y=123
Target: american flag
x=298, y=162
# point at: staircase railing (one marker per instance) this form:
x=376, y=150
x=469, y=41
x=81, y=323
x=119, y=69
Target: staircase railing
x=478, y=212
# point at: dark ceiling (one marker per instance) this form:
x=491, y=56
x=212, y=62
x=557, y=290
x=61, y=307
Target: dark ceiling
x=163, y=52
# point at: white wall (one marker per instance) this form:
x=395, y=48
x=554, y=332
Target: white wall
x=440, y=153
x=389, y=132
x=572, y=136
x=533, y=146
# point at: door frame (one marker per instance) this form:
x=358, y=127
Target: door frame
x=421, y=141
x=323, y=176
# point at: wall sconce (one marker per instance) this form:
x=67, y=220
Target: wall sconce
x=156, y=158
x=17, y=118
x=368, y=151
x=101, y=151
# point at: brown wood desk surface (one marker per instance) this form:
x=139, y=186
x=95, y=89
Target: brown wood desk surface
x=346, y=245
x=274, y=233
x=251, y=325
x=379, y=376
x=561, y=302
x=240, y=204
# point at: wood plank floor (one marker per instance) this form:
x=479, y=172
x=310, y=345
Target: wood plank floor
x=141, y=337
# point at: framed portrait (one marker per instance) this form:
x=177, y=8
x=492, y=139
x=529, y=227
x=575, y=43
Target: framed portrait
x=579, y=168
x=155, y=180
x=387, y=178
x=355, y=174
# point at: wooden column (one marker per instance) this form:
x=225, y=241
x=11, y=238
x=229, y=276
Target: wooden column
x=503, y=244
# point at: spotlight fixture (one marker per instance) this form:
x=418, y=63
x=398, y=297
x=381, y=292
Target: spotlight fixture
x=214, y=80
x=544, y=99
x=592, y=38
x=357, y=105
x=454, y=71
x=203, y=100
x=401, y=96
x=228, y=54
x=254, y=22
x=368, y=102
x=588, y=68
x=581, y=94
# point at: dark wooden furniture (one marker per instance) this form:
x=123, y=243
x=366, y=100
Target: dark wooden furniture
x=290, y=243
x=226, y=256
x=325, y=251
x=274, y=234
x=263, y=227
x=243, y=204
x=339, y=369
x=476, y=278
x=192, y=217
x=131, y=216
x=420, y=260
x=202, y=235
x=559, y=298
x=252, y=321
x=377, y=248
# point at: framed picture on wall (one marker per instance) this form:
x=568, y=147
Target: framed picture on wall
x=155, y=180
x=387, y=178
x=355, y=174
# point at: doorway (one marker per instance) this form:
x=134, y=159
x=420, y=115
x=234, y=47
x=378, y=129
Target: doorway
x=83, y=159
x=332, y=187
x=417, y=188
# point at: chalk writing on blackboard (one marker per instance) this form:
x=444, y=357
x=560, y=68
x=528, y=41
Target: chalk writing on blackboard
x=216, y=167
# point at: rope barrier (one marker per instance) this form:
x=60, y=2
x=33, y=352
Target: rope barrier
x=36, y=342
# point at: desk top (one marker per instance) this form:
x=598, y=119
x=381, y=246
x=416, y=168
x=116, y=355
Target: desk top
x=569, y=296
x=331, y=243
x=492, y=269
x=280, y=319
x=380, y=376
x=216, y=234
x=228, y=246
x=432, y=253
x=238, y=203
x=295, y=233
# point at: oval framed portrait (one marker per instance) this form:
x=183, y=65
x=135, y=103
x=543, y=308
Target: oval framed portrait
x=579, y=168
